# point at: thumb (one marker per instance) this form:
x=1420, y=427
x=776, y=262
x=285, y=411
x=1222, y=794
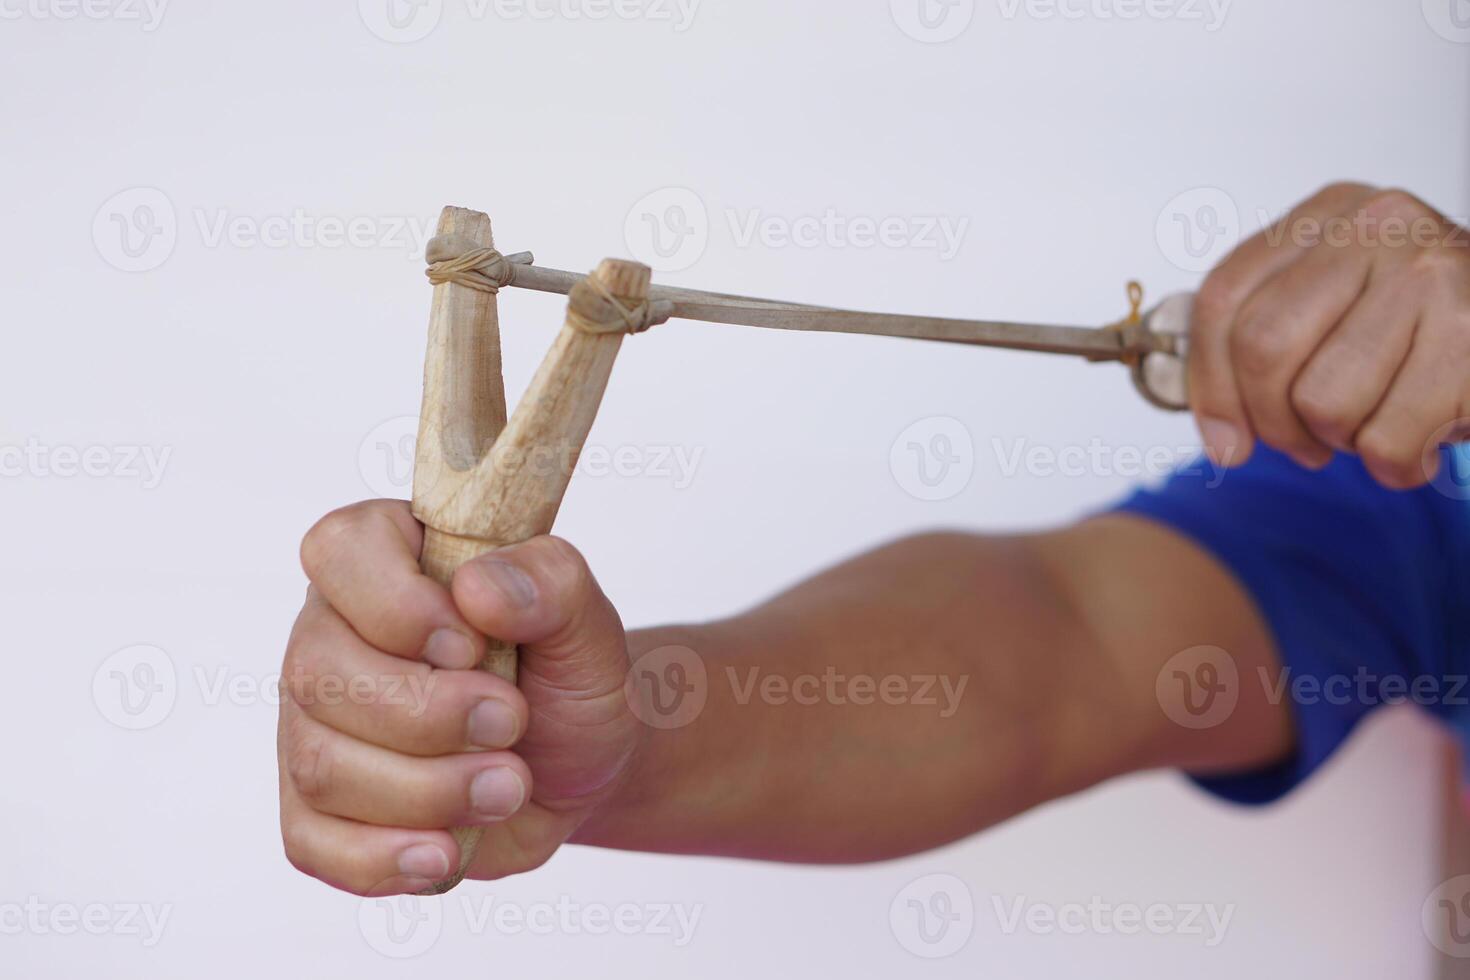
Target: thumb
x=573, y=663
x=541, y=595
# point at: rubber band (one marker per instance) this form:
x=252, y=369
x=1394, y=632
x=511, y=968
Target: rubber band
x=455, y=259
x=635, y=320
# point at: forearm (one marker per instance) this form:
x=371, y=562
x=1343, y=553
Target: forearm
x=899, y=701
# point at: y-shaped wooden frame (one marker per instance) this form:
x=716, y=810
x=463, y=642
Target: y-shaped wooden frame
x=482, y=482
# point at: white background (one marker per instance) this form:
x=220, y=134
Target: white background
x=264, y=370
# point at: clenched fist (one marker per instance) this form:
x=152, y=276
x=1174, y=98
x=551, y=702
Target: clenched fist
x=1346, y=326
x=388, y=736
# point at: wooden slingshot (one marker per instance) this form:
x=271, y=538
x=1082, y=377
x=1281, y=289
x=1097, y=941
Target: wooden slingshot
x=483, y=482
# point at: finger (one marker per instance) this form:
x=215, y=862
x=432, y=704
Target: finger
x=340, y=681
x=542, y=595
x=356, y=857
x=364, y=560
x=361, y=858
x=334, y=773
x=574, y=661
x=1350, y=373
x=523, y=843
x=1398, y=444
x=1279, y=328
x=1214, y=395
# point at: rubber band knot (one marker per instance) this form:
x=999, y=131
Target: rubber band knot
x=456, y=259
x=630, y=320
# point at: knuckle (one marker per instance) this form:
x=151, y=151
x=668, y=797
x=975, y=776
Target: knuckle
x=301, y=670
x=1213, y=302
x=1342, y=188
x=1259, y=342
x=395, y=618
x=1390, y=459
x=1439, y=266
x=309, y=765
x=1394, y=203
x=326, y=536
x=564, y=569
x=1457, y=341
x=1323, y=409
x=293, y=842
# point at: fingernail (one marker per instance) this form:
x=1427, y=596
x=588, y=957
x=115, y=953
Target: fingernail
x=496, y=794
x=424, y=861
x=492, y=725
x=450, y=649
x=1431, y=462
x=1221, y=438
x=508, y=580
x=1311, y=459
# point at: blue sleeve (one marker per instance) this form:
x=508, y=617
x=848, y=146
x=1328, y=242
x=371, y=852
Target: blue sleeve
x=1365, y=590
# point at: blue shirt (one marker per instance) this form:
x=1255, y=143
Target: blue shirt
x=1366, y=591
